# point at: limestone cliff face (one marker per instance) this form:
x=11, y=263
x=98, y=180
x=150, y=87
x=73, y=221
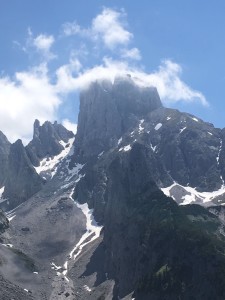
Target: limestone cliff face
x=108, y=110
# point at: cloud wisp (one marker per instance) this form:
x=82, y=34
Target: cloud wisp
x=167, y=79
x=109, y=27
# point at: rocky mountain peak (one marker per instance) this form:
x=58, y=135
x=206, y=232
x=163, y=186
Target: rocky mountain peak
x=22, y=181
x=47, y=140
x=36, y=128
x=4, y=152
x=108, y=110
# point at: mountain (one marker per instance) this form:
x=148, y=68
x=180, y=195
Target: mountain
x=162, y=148
x=47, y=141
x=25, y=169
x=131, y=208
x=108, y=111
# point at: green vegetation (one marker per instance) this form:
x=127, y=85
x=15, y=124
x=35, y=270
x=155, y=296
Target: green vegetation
x=188, y=251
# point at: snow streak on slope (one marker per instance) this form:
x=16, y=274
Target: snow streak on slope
x=1, y=193
x=195, y=119
x=220, y=149
x=93, y=231
x=62, y=285
x=186, y=194
x=12, y=213
x=50, y=165
x=158, y=126
x=72, y=172
x=140, y=127
x=126, y=148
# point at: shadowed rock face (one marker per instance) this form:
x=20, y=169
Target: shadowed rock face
x=147, y=236
x=4, y=153
x=22, y=180
x=108, y=110
x=4, y=223
x=46, y=141
x=190, y=149
x=152, y=245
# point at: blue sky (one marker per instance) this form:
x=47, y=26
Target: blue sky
x=52, y=49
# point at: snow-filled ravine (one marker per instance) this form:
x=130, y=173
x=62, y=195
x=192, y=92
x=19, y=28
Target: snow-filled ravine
x=186, y=195
x=50, y=164
x=92, y=232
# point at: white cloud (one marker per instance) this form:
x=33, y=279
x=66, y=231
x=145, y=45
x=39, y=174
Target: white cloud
x=72, y=28
x=108, y=27
x=171, y=88
x=133, y=53
x=43, y=42
x=30, y=96
x=167, y=79
x=69, y=125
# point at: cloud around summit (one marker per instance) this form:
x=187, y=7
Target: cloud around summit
x=104, y=49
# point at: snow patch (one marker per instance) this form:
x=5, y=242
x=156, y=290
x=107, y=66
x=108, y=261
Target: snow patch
x=126, y=148
x=120, y=140
x=168, y=118
x=140, y=127
x=7, y=245
x=55, y=267
x=195, y=119
x=11, y=218
x=50, y=164
x=181, y=130
x=220, y=149
x=79, y=177
x=76, y=169
x=153, y=148
x=158, y=126
x=12, y=213
x=87, y=288
x=101, y=154
x=93, y=231
x=210, y=133
x=1, y=191
x=189, y=194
